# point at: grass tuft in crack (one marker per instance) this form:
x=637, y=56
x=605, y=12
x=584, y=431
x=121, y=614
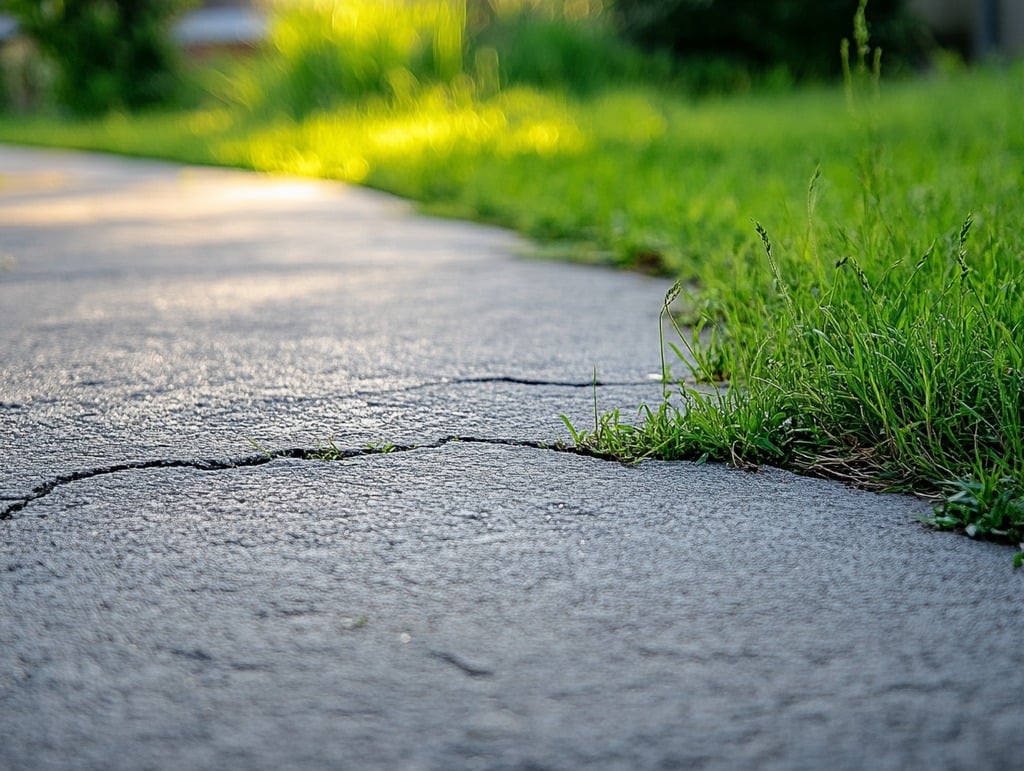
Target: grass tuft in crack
x=329, y=451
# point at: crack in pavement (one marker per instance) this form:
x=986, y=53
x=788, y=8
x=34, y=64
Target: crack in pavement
x=421, y=386
x=458, y=663
x=594, y=383
x=499, y=379
x=317, y=454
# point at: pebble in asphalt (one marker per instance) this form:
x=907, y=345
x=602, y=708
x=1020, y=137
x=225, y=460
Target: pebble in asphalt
x=169, y=600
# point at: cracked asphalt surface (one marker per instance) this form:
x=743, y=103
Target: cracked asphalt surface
x=183, y=586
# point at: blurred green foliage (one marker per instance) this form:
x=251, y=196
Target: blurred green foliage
x=721, y=41
x=562, y=46
x=105, y=54
x=324, y=53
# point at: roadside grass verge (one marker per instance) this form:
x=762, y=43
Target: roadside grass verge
x=887, y=351
x=869, y=328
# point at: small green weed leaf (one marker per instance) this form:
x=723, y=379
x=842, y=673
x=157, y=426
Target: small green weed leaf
x=577, y=436
x=260, y=448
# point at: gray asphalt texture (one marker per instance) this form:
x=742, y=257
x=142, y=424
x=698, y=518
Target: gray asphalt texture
x=172, y=598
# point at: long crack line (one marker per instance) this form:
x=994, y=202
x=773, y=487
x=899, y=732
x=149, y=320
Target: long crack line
x=427, y=384
x=317, y=454
x=503, y=379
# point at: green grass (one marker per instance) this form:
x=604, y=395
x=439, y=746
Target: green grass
x=887, y=351
x=869, y=329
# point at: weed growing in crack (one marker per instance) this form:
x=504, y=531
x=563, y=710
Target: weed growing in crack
x=381, y=447
x=610, y=437
x=260, y=448
x=328, y=450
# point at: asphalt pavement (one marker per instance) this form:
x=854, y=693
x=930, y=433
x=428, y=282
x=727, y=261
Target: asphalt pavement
x=182, y=585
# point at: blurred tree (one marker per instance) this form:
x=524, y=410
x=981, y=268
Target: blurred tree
x=801, y=35
x=107, y=54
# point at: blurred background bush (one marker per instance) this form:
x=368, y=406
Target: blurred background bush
x=323, y=53
x=797, y=37
x=327, y=51
x=102, y=54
